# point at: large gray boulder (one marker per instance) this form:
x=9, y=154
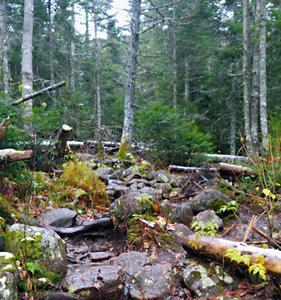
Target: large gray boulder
x=177, y=212
x=8, y=277
x=209, y=215
x=206, y=199
x=129, y=204
x=52, y=249
x=152, y=282
x=98, y=282
x=60, y=217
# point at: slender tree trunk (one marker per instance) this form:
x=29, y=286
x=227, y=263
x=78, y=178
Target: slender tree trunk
x=72, y=47
x=174, y=45
x=4, y=46
x=97, y=71
x=246, y=75
x=255, y=100
x=263, y=86
x=50, y=43
x=131, y=74
x=232, y=109
x=26, y=63
x=87, y=35
x=186, y=81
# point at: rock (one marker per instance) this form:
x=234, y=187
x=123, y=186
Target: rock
x=98, y=282
x=209, y=215
x=60, y=296
x=174, y=193
x=103, y=173
x=152, y=282
x=177, y=212
x=60, y=217
x=206, y=198
x=116, y=174
x=181, y=231
x=8, y=276
x=165, y=187
x=196, y=279
x=223, y=276
x=131, y=262
x=175, y=181
x=129, y=204
x=99, y=256
x=8, y=285
x=52, y=248
x=162, y=177
x=155, y=194
x=116, y=190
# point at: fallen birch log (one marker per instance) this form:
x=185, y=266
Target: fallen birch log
x=8, y=155
x=230, y=168
x=174, y=168
x=3, y=127
x=228, y=158
x=63, y=139
x=217, y=248
x=39, y=93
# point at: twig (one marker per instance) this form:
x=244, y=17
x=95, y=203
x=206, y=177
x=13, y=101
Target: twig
x=270, y=240
x=250, y=227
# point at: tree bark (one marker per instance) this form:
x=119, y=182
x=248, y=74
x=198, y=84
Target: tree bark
x=8, y=155
x=4, y=46
x=50, y=43
x=263, y=85
x=72, y=47
x=131, y=74
x=63, y=138
x=232, y=111
x=3, y=127
x=217, y=248
x=26, y=64
x=174, y=45
x=246, y=75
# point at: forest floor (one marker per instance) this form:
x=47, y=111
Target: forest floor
x=122, y=231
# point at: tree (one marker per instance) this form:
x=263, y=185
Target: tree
x=4, y=46
x=26, y=64
x=131, y=74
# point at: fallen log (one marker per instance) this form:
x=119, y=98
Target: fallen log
x=64, y=135
x=217, y=248
x=8, y=155
x=235, y=169
x=228, y=158
x=96, y=225
x=3, y=127
x=39, y=93
x=174, y=168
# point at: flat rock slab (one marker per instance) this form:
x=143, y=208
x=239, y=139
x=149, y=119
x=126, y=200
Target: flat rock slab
x=131, y=262
x=102, y=282
x=99, y=256
x=60, y=217
x=152, y=283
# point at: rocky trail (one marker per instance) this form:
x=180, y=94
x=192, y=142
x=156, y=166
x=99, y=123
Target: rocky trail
x=128, y=251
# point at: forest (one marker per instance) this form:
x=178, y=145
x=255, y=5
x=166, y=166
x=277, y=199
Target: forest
x=140, y=149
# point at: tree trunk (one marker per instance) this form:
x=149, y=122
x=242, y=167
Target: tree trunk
x=174, y=45
x=246, y=75
x=4, y=46
x=3, y=127
x=186, y=81
x=232, y=111
x=50, y=44
x=63, y=138
x=263, y=86
x=26, y=64
x=97, y=72
x=131, y=74
x=72, y=48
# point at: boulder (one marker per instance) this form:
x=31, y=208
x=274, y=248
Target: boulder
x=196, y=279
x=60, y=217
x=165, y=187
x=131, y=262
x=206, y=199
x=98, y=282
x=52, y=250
x=129, y=204
x=152, y=282
x=181, y=231
x=162, y=177
x=8, y=277
x=116, y=190
x=209, y=215
x=177, y=212
x=155, y=194
x=103, y=173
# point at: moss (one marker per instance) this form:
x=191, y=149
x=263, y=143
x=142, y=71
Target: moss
x=124, y=152
x=217, y=204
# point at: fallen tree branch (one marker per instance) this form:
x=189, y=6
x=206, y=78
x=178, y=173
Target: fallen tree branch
x=174, y=168
x=8, y=155
x=3, y=127
x=228, y=158
x=217, y=248
x=41, y=92
x=230, y=168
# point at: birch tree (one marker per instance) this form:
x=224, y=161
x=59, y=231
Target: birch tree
x=174, y=46
x=246, y=75
x=72, y=48
x=131, y=75
x=262, y=66
x=26, y=63
x=4, y=46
